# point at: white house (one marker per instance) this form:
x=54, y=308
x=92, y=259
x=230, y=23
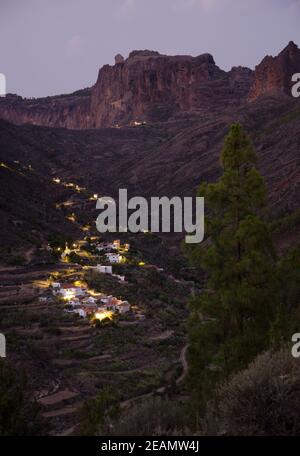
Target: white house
x=113, y=257
x=89, y=300
x=109, y=302
x=79, y=291
x=74, y=302
x=80, y=312
x=123, y=307
x=69, y=291
x=119, y=277
x=104, y=269
x=56, y=287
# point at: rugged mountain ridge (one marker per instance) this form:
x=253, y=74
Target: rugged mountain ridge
x=274, y=74
x=148, y=86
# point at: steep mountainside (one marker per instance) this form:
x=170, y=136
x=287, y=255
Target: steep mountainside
x=274, y=74
x=148, y=86
x=170, y=155
x=169, y=158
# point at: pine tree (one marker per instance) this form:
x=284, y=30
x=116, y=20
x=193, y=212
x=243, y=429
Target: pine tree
x=229, y=322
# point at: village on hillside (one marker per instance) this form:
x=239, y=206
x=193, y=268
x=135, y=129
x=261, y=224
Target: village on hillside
x=90, y=310
x=78, y=298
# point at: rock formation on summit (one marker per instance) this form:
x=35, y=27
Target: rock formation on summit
x=149, y=86
x=273, y=74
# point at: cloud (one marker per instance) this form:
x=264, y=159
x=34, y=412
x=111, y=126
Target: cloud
x=74, y=47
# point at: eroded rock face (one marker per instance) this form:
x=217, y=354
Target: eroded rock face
x=148, y=86
x=67, y=111
x=145, y=86
x=274, y=74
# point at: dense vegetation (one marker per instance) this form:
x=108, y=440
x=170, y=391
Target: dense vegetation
x=19, y=415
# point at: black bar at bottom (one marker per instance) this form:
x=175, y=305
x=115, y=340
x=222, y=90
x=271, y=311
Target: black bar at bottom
x=90, y=446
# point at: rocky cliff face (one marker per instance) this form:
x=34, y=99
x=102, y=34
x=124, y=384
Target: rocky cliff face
x=148, y=86
x=273, y=74
x=68, y=111
x=145, y=86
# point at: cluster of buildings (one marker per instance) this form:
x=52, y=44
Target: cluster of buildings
x=84, y=303
x=113, y=247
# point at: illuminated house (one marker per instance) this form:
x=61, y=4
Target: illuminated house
x=116, y=244
x=69, y=291
x=113, y=257
x=89, y=301
x=102, y=314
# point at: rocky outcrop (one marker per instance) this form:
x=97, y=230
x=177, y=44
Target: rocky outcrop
x=145, y=86
x=148, y=86
x=67, y=111
x=274, y=74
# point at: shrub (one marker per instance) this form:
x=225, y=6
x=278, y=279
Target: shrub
x=261, y=400
x=96, y=414
x=153, y=417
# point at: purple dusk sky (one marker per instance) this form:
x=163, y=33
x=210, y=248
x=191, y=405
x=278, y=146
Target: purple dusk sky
x=57, y=46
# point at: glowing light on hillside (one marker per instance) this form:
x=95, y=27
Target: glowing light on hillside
x=79, y=283
x=94, y=293
x=141, y=263
x=69, y=295
x=102, y=315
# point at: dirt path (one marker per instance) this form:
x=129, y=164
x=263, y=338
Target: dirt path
x=163, y=336
x=184, y=363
